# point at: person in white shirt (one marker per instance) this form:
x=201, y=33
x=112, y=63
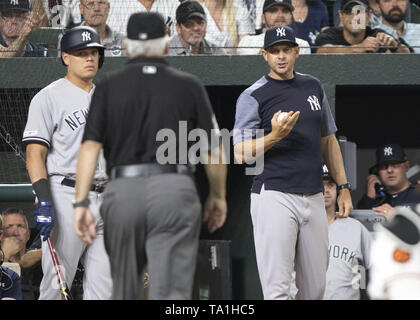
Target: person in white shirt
x=228, y=21
x=275, y=13
x=122, y=10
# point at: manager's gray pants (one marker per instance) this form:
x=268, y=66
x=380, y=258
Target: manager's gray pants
x=156, y=220
x=290, y=233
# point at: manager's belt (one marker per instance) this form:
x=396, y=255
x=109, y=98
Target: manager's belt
x=99, y=187
x=146, y=170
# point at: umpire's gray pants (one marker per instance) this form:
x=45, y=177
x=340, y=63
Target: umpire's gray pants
x=290, y=232
x=156, y=218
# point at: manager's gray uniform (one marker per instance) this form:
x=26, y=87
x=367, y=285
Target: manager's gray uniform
x=56, y=118
x=287, y=205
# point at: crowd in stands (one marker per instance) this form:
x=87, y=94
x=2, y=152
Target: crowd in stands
x=218, y=27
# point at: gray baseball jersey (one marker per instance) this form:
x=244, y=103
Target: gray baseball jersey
x=349, y=247
x=57, y=116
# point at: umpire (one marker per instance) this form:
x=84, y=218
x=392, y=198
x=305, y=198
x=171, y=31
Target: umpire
x=151, y=211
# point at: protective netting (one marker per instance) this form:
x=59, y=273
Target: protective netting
x=14, y=105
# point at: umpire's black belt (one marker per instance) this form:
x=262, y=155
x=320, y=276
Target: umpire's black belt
x=146, y=170
x=99, y=187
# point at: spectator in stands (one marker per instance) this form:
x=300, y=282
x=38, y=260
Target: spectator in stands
x=191, y=24
x=10, y=285
x=95, y=14
x=311, y=18
x=17, y=22
x=387, y=185
x=15, y=238
x=62, y=13
x=355, y=36
x=349, y=249
x=375, y=17
x=228, y=21
x=121, y=10
x=275, y=13
x=393, y=13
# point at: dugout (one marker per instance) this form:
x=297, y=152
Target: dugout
x=374, y=97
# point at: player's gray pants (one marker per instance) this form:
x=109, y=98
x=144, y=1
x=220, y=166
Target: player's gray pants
x=290, y=231
x=154, y=220
x=97, y=283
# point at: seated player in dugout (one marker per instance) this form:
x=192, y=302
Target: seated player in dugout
x=387, y=184
x=18, y=20
x=355, y=36
x=348, y=250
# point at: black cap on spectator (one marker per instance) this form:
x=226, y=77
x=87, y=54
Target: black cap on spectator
x=18, y=5
x=270, y=3
x=346, y=3
x=146, y=26
x=189, y=9
x=279, y=34
x=389, y=153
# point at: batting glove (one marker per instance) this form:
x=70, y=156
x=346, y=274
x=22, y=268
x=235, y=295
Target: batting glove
x=44, y=218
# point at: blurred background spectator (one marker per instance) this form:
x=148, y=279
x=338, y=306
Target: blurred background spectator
x=355, y=36
x=95, y=14
x=17, y=22
x=16, y=235
x=228, y=21
x=191, y=25
x=392, y=22
x=311, y=17
x=62, y=13
x=275, y=13
x=121, y=10
x=10, y=285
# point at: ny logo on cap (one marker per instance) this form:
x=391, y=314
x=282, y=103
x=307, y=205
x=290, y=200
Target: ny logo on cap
x=86, y=36
x=143, y=36
x=388, y=151
x=14, y=2
x=281, y=32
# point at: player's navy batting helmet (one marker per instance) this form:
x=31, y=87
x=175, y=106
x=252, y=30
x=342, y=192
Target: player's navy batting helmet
x=80, y=38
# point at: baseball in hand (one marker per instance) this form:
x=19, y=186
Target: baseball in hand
x=282, y=115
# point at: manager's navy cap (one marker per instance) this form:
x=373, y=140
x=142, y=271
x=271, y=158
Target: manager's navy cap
x=279, y=34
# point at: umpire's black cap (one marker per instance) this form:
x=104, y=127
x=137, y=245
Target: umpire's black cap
x=279, y=34
x=271, y=3
x=146, y=26
x=188, y=9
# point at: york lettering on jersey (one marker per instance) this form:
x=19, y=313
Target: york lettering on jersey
x=77, y=118
x=343, y=253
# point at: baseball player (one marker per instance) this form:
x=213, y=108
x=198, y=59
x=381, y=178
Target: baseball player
x=287, y=205
x=56, y=120
x=395, y=256
x=349, y=249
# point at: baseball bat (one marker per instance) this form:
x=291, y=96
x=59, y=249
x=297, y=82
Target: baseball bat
x=64, y=289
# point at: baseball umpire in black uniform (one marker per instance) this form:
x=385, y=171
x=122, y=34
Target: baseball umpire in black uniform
x=151, y=211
